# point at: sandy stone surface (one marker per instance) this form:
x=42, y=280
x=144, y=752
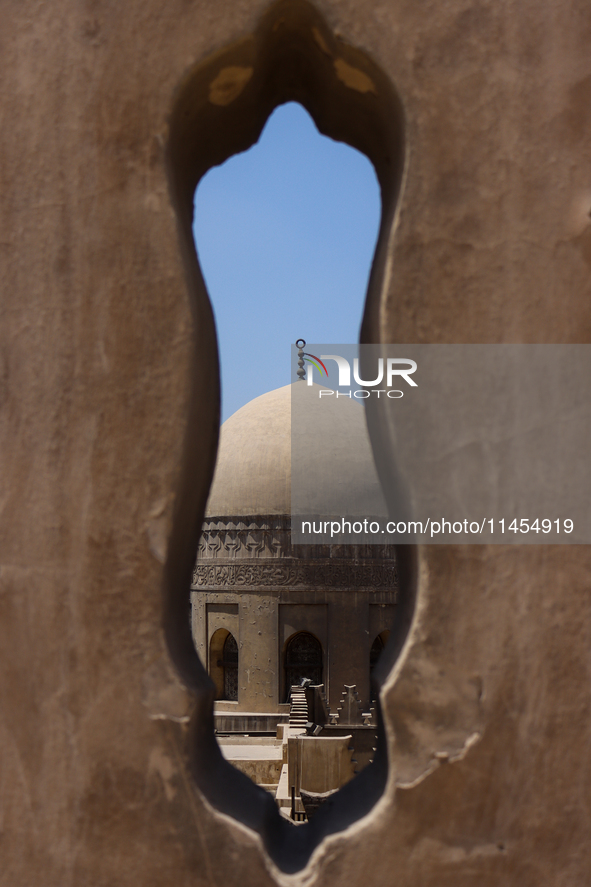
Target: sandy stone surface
x=108, y=429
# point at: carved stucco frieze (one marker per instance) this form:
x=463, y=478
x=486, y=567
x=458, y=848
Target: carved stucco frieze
x=256, y=552
x=269, y=537
x=236, y=537
x=293, y=574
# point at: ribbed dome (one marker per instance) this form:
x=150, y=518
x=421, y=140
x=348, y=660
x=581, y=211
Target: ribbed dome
x=253, y=472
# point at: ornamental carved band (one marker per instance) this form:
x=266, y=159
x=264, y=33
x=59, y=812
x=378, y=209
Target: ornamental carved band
x=267, y=537
x=290, y=574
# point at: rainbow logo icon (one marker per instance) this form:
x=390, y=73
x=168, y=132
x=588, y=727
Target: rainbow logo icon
x=315, y=361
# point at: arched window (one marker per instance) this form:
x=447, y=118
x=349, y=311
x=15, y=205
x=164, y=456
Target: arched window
x=230, y=665
x=374, y=654
x=303, y=659
x=223, y=664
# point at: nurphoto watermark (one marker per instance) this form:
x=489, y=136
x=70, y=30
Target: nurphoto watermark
x=441, y=443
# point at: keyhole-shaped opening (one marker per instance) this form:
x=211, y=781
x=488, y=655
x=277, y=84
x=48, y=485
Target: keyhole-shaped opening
x=220, y=110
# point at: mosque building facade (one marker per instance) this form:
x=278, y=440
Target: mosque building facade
x=265, y=613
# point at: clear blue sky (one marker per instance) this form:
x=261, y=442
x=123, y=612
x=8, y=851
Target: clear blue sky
x=285, y=234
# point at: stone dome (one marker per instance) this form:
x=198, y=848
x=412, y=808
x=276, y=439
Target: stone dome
x=333, y=458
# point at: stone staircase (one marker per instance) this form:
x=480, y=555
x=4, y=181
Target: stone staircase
x=298, y=712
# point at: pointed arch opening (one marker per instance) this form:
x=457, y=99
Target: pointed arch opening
x=303, y=659
x=223, y=664
x=375, y=652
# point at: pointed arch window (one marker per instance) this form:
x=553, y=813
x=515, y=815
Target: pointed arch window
x=303, y=659
x=374, y=654
x=229, y=664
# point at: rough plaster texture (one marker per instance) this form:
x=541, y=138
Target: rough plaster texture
x=490, y=703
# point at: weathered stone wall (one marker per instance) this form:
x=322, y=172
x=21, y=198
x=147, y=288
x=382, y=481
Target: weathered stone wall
x=109, y=393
